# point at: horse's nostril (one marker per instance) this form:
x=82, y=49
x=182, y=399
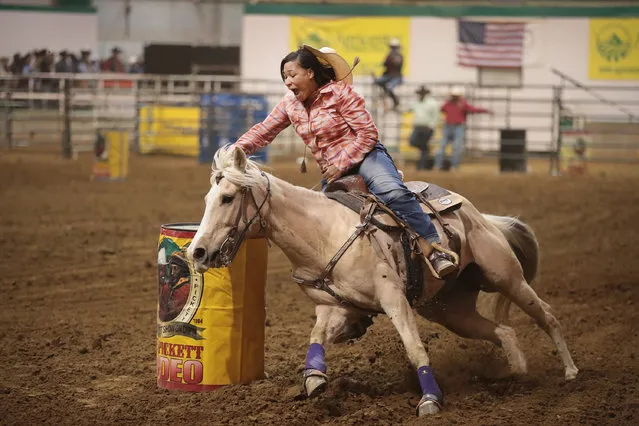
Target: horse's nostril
x=199, y=254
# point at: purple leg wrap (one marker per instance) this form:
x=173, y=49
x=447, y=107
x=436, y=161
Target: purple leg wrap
x=315, y=358
x=428, y=383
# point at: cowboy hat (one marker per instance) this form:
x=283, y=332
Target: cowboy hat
x=457, y=91
x=422, y=90
x=329, y=57
x=394, y=42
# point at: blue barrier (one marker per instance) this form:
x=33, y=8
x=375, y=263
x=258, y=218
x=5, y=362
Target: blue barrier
x=225, y=117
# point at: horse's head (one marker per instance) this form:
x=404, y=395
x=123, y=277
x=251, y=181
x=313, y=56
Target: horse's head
x=234, y=209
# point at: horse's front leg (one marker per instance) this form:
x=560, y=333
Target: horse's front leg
x=330, y=321
x=401, y=314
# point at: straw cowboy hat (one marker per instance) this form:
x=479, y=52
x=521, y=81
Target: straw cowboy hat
x=329, y=57
x=394, y=42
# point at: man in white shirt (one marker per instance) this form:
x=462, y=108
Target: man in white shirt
x=425, y=119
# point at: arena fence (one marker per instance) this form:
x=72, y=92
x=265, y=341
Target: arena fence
x=192, y=115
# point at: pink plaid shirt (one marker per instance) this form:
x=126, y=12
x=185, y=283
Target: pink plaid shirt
x=338, y=129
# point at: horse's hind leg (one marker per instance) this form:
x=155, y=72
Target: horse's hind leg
x=525, y=297
x=459, y=315
x=502, y=269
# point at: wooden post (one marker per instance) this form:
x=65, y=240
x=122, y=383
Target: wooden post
x=67, y=148
x=8, y=124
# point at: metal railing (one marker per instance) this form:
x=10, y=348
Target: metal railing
x=67, y=109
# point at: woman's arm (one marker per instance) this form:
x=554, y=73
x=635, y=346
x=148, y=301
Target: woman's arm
x=263, y=133
x=353, y=109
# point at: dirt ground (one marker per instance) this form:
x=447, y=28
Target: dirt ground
x=78, y=307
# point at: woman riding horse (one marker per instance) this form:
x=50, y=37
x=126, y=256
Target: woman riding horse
x=332, y=120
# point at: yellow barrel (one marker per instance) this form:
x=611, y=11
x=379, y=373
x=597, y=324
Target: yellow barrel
x=210, y=326
x=111, y=161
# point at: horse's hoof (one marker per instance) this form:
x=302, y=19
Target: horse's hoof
x=314, y=383
x=429, y=404
x=571, y=373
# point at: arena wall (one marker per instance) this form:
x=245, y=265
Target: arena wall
x=26, y=30
x=560, y=43
x=160, y=21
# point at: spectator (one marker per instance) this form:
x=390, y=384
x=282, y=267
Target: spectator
x=45, y=61
x=65, y=63
x=74, y=62
x=16, y=64
x=456, y=109
x=392, y=76
x=29, y=64
x=46, y=65
x=84, y=64
x=4, y=66
x=136, y=66
x=113, y=64
x=96, y=64
x=5, y=71
x=425, y=119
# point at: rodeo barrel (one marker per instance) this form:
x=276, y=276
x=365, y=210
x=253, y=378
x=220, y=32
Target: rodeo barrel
x=111, y=155
x=210, y=328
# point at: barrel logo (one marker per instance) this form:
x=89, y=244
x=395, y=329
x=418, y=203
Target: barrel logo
x=180, y=291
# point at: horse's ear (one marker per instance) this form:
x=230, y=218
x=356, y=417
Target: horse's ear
x=239, y=159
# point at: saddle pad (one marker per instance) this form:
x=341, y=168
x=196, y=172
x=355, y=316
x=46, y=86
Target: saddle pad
x=441, y=199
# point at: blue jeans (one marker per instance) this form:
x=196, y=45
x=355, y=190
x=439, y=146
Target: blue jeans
x=420, y=139
x=383, y=180
x=388, y=83
x=454, y=132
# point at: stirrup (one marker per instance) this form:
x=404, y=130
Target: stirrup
x=452, y=254
x=436, y=246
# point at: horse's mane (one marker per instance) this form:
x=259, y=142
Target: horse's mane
x=224, y=162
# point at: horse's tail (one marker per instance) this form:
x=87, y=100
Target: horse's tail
x=523, y=242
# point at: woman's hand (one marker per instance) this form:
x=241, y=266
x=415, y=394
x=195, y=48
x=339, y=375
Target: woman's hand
x=332, y=173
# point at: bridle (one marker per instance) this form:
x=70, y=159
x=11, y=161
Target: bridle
x=234, y=239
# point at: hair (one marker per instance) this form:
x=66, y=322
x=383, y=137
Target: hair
x=307, y=60
x=223, y=161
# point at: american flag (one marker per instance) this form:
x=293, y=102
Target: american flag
x=490, y=44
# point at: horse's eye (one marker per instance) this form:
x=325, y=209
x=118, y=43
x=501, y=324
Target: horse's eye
x=227, y=199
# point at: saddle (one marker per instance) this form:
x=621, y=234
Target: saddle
x=352, y=192
x=434, y=200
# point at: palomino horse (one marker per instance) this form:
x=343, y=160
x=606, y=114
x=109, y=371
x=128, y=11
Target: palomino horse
x=498, y=254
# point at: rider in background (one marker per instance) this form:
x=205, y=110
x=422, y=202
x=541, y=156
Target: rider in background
x=332, y=120
x=392, y=76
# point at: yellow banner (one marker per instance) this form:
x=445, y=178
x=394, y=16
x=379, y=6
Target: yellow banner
x=613, y=52
x=169, y=130
x=364, y=37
